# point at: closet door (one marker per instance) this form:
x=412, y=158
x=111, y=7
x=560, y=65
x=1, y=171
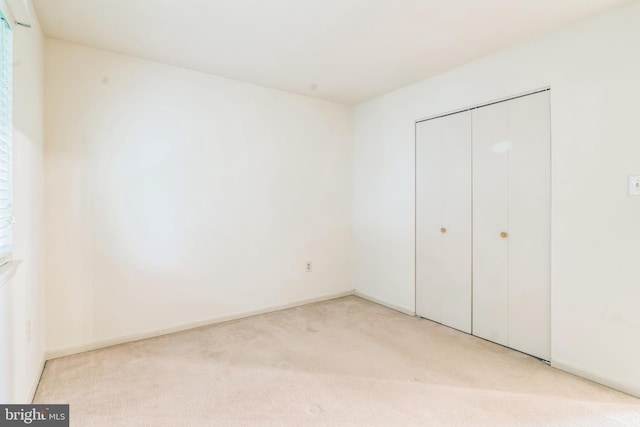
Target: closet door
x=511, y=220
x=530, y=225
x=490, y=218
x=443, y=220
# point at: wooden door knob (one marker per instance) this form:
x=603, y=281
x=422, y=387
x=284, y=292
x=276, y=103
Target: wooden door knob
x=503, y=234
x=443, y=230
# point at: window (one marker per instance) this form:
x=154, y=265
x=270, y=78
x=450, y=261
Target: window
x=6, y=83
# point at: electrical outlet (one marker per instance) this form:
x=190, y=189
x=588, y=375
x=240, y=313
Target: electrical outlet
x=28, y=331
x=308, y=267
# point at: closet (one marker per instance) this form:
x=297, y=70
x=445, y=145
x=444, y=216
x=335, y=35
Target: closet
x=483, y=222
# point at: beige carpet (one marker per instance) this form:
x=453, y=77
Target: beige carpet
x=344, y=362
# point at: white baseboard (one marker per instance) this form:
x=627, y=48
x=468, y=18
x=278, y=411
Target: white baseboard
x=36, y=380
x=108, y=342
x=384, y=303
x=597, y=377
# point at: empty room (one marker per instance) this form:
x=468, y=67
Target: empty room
x=320, y=212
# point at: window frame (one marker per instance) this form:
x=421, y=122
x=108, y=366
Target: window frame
x=6, y=141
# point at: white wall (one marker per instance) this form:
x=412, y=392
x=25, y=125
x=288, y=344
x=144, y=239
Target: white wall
x=592, y=69
x=176, y=197
x=21, y=300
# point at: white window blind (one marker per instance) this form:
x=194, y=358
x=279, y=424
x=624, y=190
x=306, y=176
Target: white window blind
x=6, y=84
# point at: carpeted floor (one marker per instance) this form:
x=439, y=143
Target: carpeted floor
x=346, y=362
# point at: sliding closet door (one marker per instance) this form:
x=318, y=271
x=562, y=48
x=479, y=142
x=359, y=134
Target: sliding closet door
x=429, y=274
x=529, y=225
x=511, y=223
x=491, y=148
x=443, y=220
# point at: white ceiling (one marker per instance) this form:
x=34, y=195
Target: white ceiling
x=341, y=50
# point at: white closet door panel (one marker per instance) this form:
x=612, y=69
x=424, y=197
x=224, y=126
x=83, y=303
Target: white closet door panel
x=490, y=218
x=456, y=208
x=429, y=275
x=529, y=224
